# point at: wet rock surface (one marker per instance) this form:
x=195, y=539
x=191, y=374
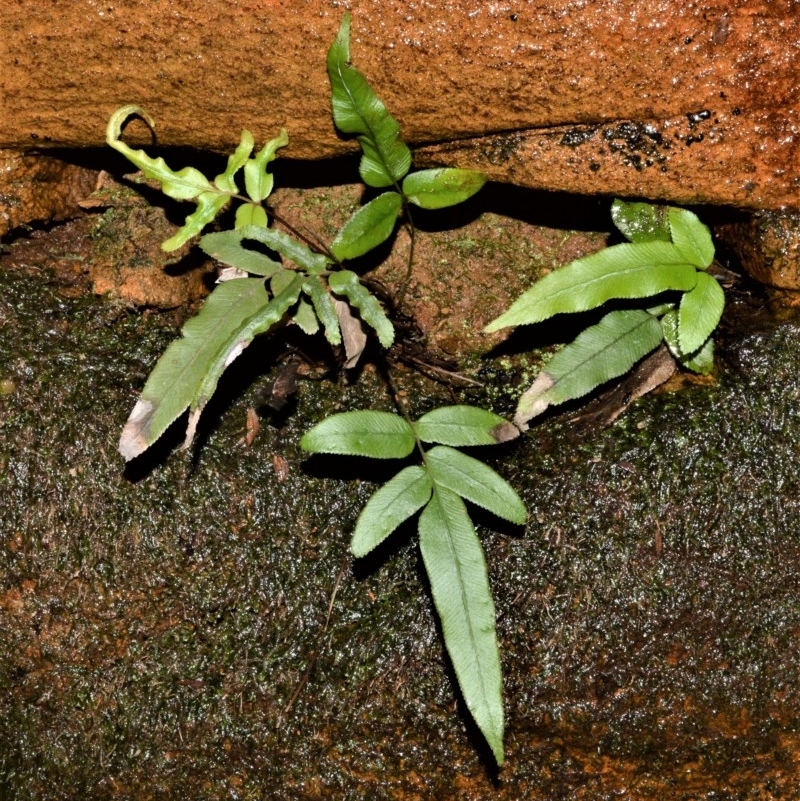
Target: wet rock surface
x=769, y=244
x=687, y=103
x=194, y=626
x=40, y=188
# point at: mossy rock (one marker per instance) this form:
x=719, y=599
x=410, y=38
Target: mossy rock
x=195, y=627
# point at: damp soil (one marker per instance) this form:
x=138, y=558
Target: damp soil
x=194, y=626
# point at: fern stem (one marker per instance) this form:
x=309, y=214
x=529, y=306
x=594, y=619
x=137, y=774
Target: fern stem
x=401, y=407
x=412, y=231
x=311, y=239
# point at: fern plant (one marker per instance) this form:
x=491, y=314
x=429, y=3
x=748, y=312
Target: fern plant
x=665, y=264
x=308, y=285
x=312, y=287
x=451, y=550
x=274, y=278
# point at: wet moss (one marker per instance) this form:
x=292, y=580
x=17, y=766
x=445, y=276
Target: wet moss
x=194, y=625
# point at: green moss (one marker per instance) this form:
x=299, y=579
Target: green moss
x=195, y=626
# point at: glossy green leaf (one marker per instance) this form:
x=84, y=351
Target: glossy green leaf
x=258, y=182
x=280, y=280
x=227, y=247
x=209, y=205
x=702, y=361
x=623, y=271
x=641, y=222
x=345, y=282
x=371, y=225
x=237, y=340
x=306, y=318
x=187, y=373
x=460, y=426
x=699, y=313
x=393, y=503
x=288, y=247
x=185, y=184
x=476, y=482
x=250, y=214
x=456, y=568
x=361, y=433
x=443, y=187
x=598, y=354
x=691, y=237
x=669, y=330
x=324, y=308
x=357, y=110
x=226, y=181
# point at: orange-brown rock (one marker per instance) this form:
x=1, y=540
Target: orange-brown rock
x=769, y=244
x=40, y=188
x=693, y=102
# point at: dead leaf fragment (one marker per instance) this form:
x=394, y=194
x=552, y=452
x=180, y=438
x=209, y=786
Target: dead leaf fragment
x=133, y=439
x=353, y=335
x=230, y=274
x=281, y=467
x=251, y=427
x=505, y=432
x=533, y=401
x=191, y=427
x=650, y=374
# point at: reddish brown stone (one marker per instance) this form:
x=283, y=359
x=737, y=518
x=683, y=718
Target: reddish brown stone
x=126, y=260
x=40, y=188
x=683, y=102
x=768, y=243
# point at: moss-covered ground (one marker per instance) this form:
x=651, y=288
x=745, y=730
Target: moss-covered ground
x=193, y=626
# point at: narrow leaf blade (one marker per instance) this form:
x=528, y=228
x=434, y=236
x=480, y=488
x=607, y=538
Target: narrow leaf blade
x=185, y=184
x=380, y=435
x=358, y=110
x=699, y=313
x=235, y=340
x=209, y=205
x=305, y=317
x=440, y=188
x=669, y=330
x=227, y=247
x=461, y=426
x=288, y=247
x=226, y=181
x=324, y=308
x=476, y=482
x=456, y=568
x=345, y=282
x=598, y=354
x=371, y=225
x=209, y=342
x=257, y=181
x=629, y=270
x=691, y=237
x=393, y=503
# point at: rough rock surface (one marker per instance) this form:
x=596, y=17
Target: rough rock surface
x=36, y=188
x=685, y=102
x=769, y=243
x=197, y=628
